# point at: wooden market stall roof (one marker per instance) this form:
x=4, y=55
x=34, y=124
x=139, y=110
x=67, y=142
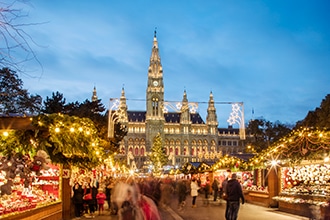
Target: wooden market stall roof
x=15, y=122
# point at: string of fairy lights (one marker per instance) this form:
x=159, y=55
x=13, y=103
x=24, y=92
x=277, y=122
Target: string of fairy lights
x=301, y=144
x=74, y=136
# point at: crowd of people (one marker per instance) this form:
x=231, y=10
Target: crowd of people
x=140, y=198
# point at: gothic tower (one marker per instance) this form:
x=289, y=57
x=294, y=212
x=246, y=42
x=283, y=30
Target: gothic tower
x=123, y=118
x=211, y=118
x=155, y=97
x=94, y=97
x=185, y=115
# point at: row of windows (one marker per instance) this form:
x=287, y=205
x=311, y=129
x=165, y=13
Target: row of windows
x=177, y=131
x=194, y=151
x=193, y=142
x=228, y=143
x=176, y=142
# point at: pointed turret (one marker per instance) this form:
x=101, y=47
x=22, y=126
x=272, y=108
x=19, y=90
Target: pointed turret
x=122, y=109
x=185, y=114
x=155, y=58
x=94, y=97
x=155, y=71
x=211, y=118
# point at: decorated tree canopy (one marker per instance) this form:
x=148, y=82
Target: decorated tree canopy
x=67, y=139
x=231, y=162
x=301, y=144
x=188, y=168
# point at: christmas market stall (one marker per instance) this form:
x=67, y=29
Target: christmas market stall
x=36, y=154
x=254, y=181
x=301, y=161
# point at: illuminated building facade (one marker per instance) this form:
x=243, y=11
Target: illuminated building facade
x=185, y=135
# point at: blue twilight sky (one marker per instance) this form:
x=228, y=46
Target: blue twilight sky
x=272, y=55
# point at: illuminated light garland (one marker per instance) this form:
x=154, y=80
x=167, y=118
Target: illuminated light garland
x=68, y=140
x=301, y=144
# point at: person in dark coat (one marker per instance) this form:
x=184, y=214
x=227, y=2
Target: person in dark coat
x=207, y=188
x=223, y=188
x=215, y=188
x=93, y=202
x=91, y=188
x=182, y=190
x=234, y=194
x=108, y=189
x=78, y=193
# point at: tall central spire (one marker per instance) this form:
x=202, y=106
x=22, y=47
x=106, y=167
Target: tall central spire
x=155, y=87
x=155, y=95
x=155, y=65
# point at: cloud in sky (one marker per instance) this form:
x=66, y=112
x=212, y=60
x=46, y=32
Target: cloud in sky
x=272, y=55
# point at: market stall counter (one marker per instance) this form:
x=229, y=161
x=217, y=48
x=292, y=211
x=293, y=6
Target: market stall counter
x=30, y=195
x=305, y=189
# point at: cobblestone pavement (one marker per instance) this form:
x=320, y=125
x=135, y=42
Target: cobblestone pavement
x=212, y=211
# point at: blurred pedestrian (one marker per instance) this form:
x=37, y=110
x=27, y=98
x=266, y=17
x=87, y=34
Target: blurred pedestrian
x=215, y=188
x=78, y=193
x=207, y=188
x=100, y=197
x=181, y=189
x=224, y=192
x=194, y=191
x=166, y=192
x=234, y=194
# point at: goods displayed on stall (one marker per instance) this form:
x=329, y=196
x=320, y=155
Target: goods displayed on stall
x=246, y=178
x=27, y=183
x=308, y=184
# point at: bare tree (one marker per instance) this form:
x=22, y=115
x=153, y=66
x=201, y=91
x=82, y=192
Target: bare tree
x=15, y=42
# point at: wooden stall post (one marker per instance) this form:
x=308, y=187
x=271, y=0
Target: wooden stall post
x=66, y=193
x=273, y=184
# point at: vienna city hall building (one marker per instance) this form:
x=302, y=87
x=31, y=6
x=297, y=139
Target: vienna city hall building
x=185, y=135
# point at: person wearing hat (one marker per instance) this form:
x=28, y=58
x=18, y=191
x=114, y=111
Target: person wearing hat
x=77, y=198
x=100, y=197
x=234, y=193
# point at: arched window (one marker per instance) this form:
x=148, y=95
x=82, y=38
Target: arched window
x=155, y=104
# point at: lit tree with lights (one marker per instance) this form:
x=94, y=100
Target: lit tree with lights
x=69, y=140
x=158, y=154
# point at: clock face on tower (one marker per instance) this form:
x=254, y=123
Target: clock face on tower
x=155, y=83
